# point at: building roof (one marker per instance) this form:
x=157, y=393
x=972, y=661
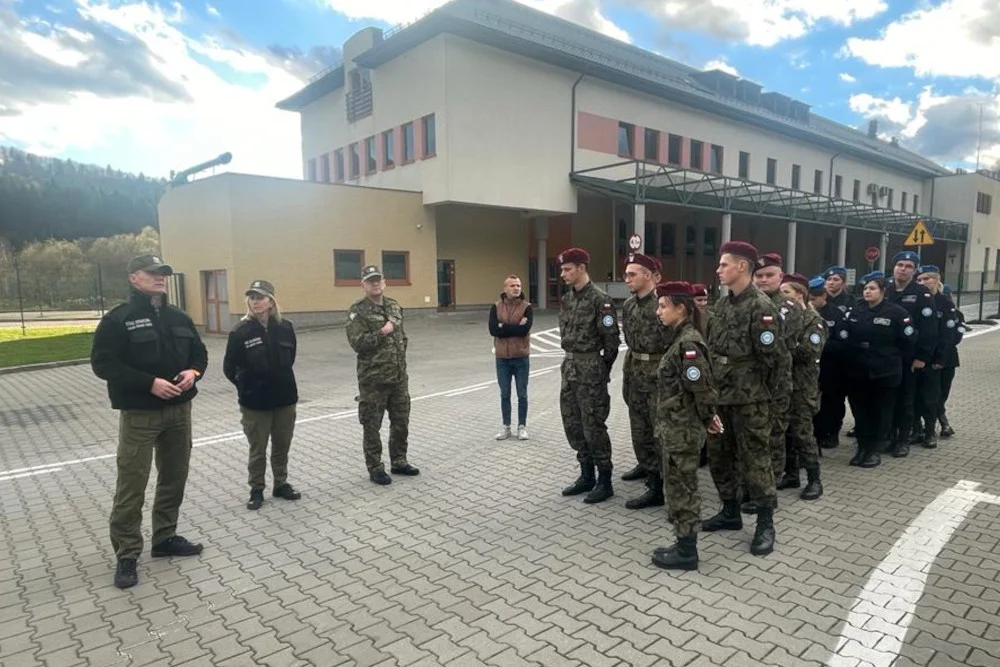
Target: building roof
x=516, y=28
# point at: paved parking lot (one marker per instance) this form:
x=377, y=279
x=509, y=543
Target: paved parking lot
x=480, y=560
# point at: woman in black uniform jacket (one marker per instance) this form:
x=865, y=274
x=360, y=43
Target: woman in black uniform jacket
x=950, y=364
x=877, y=334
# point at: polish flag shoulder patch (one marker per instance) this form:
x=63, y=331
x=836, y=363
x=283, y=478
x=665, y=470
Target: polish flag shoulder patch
x=768, y=319
x=691, y=354
x=906, y=320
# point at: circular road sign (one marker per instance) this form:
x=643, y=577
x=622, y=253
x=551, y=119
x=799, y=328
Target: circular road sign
x=635, y=242
x=871, y=254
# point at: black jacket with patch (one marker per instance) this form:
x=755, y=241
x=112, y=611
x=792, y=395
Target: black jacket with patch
x=259, y=362
x=135, y=343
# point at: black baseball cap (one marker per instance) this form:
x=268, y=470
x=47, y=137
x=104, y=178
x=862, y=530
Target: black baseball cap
x=149, y=264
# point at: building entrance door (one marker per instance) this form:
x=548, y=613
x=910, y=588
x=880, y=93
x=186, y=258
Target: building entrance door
x=446, y=284
x=216, y=301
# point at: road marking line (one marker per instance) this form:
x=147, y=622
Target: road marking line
x=877, y=624
x=238, y=435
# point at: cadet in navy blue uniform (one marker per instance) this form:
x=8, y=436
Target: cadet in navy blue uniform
x=951, y=362
x=833, y=390
x=918, y=302
x=878, y=335
x=929, y=398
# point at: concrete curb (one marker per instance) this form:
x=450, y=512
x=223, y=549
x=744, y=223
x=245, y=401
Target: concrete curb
x=41, y=367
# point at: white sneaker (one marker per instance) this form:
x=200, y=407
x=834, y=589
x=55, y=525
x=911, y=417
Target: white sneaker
x=504, y=434
x=522, y=432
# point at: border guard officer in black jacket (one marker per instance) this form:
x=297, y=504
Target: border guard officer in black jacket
x=833, y=381
x=150, y=354
x=259, y=359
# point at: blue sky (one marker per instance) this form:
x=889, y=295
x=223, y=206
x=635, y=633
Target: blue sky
x=152, y=86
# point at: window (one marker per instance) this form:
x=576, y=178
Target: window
x=674, y=149
x=649, y=238
x=857, y=190
x=371, y=156
x=652, y=145
x=347, y=267
x=984, y=203
x=744, y=165
x=772, y=170
x=838, y=186
x=818, y=182
x=710, y=241
x=311, y=170
x=355, y=160
x=796, y=177
x=902, y=204
x=668, y=239
x=430, y=136
x=626, y=134
x=697, y=155
x=338, y=166
x=389, y=149
x=690, y=238
x=409, y=148
x=916, y=201
x=324, y=168
x=717, y=155
x=396, y=267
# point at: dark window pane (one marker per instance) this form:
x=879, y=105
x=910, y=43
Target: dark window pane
x=347, y=264
x=394, y=265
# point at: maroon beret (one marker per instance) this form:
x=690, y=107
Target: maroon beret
x=796, y=278
x=574, y=256
x=700, y=289
x=674, y=288
x=740, y=249
x=644, y=261
x=769, y=259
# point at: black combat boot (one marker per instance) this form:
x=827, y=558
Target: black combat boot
x=858, y=457
x=790, y=480
x=763, y=537
x=916, y=433
x=125, y=573
x=946, y=430
x=814, y=487
x=727, y=519
x=681, y=556
x=899, y=450
x=829, y=442
x=603, y=490
x=638, y=472
x=584, y=483
x=653, y=497
x=871, y=458
x=256, y=499
x=929, y=438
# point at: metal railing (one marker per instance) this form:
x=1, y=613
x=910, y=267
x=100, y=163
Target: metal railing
x=359, y=103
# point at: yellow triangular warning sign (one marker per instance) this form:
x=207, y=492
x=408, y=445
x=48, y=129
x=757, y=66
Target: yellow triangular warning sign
x=919, y=235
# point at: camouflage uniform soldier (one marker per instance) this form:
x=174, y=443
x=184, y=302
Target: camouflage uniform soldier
x=807, y=348
x=767, y=278
x=590, y=337
x=375, y=332
x=685, y=410
x=150, y=355
x=647, y=340
x=701, y=303
x=745, y=345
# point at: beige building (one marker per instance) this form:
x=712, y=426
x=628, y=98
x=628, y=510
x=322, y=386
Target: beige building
x=487, y=137
x=973, y=198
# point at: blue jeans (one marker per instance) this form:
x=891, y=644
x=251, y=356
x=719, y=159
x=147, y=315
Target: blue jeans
x=517, y=369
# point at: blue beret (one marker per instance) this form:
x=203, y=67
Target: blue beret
x=867, y=278
x=817, y=283
x=946, y=289
x=906, y=256
x=929, y=268
x=835, y=271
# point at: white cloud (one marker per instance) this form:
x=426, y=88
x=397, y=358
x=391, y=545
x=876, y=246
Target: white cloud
x=847, y=78
x=171, y=134
x=212, y=11
x=956, y=38
x=895, y=110
x=721, y=64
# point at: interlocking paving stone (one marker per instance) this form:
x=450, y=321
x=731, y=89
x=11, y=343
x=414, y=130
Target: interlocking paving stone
x=479, y=560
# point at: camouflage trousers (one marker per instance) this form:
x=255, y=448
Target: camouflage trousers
x=641, y=410
x=374, y=401
x=780, y=417
x=743, y=451
x=680, y=451
x=585, y=408
x=802, y=435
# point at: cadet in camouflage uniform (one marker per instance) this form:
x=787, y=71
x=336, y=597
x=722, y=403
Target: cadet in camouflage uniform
x=647, y=340
x=701, y=303
x=685, y=411
x=375, y=332
x=590, y=337
x=745, y=346
x=808, y=340
x=767, y=278
x=150, y=354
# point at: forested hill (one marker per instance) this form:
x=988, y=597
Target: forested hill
x=42, y=198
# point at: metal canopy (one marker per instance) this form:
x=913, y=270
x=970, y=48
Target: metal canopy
x=661, y=184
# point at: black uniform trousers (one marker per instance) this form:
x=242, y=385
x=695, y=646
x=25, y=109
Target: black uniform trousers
x=947, y=377
x=902, y=422
x=874, y=405
x=830, y=418
x=928, y=396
